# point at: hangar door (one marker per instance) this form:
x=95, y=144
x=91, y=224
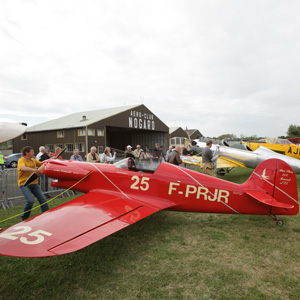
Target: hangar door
x=119, y=138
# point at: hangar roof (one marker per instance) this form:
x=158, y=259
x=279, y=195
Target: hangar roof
x=177, y=132
x=79, y=119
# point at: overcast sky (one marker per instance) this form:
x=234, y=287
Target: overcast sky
x=218, y=66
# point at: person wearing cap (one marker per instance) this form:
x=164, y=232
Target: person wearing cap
x=128, y=152
x=208, y=160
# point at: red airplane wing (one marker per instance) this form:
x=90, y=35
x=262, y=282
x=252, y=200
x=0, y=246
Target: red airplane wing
x=74, y=225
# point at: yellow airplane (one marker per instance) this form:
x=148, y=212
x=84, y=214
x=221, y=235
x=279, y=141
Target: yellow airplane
x=224, y=165
x=281, y=146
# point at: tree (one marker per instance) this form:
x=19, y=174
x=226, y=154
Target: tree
x=226, y=136
x=293, y=131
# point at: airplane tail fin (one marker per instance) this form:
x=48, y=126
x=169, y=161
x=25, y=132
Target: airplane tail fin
x=274, y=183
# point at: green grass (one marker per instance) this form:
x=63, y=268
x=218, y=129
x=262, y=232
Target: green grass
x=169, y=255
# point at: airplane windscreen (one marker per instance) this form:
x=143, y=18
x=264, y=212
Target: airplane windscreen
x=122, y=164
x=264, y=140
x=142, y=164
x=282, y=141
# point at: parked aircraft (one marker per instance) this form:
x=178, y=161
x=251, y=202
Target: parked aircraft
x=231, y=157
x=119, y=195
x=282, y=146
x=9, y=131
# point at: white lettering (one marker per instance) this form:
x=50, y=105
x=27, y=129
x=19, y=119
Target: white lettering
x=215, y=196
x=135, y=120
x=202, y=193
x=171, y=187
x=224, y=196
x=190, y=189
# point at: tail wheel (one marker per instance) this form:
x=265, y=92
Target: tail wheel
x=278, y=222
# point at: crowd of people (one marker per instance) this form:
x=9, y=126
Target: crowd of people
x=107, y=156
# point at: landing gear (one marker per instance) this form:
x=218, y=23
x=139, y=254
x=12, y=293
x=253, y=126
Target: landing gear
x=278, y=222
x=222, y=171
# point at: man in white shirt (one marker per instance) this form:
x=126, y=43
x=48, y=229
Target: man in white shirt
x=42, y=150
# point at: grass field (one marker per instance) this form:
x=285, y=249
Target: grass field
x=169, y=255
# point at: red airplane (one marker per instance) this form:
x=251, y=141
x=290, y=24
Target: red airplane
x=121, y=194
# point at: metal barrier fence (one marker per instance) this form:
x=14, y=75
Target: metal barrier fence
x=10, y=191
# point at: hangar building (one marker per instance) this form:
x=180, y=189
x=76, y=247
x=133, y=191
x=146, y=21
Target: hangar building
x=114, y=127
x=180, y=137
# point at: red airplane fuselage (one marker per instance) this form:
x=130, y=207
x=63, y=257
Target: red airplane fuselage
x=187, y=190
x=119, y=195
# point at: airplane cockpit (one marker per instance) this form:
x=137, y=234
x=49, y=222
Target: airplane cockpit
x=278, y=141
x=141, y=165
x=282, y=142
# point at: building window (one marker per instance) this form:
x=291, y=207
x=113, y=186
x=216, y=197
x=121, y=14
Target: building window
x=81, y=132
x=59, y=145
x=70, y=147
x=172, y=141
x=80, y=147
x=177, y=141
x=49, y=147
x=100, y=132
x=24, y=137
x=91, y=132
x=60, y=134
x=100, y=149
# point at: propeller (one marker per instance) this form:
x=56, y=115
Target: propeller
x=34, y=176
x=190, y=141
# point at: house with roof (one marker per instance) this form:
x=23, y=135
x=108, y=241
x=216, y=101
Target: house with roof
x=177, y=136
x=194, y=134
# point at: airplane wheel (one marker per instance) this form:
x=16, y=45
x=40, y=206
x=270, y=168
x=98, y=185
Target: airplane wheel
x=221, y=172
x=280, y=223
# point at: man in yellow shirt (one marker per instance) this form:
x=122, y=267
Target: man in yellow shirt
x=26, y=166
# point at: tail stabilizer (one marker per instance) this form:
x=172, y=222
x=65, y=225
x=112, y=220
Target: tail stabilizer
x=274, y=183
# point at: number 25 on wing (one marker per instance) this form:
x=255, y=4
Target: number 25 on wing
x=38, y=235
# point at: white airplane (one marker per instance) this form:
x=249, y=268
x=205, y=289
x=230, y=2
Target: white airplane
x=232, y=157
x=9, y=131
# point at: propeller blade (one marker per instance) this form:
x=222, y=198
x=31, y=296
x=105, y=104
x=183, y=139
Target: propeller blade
x=31, y=179
x=61, y=152
x=188, y=135
x=33, y=176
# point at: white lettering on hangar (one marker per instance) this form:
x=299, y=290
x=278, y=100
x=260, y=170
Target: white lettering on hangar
x=141, y=120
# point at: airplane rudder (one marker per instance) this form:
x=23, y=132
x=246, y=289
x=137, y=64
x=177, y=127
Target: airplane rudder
x=286, y=188
x=264, y=176
x=277, y=178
